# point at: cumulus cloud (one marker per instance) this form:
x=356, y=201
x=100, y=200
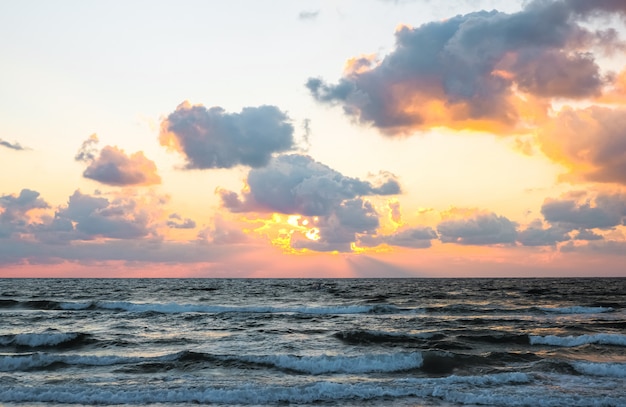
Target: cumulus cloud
x=213, y=138
x=12, y=146
x=468, y=71
x=14, y=211
x=591, y=142
x=338, y=231
x=298, y=185
x=112, y=166
x=96, y=216
x=578, y=211
x=479, y=229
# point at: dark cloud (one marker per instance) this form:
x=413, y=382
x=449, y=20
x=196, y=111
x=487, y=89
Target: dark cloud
x=112, y=166
x=537, y=235
x=212, y=138
x=297, y=184
x=175, y=221
x=591, y=142
x=573, y=212
x=417, y=238
x=585, y=234
x=12, y=146
x=481, y=229
x=462, y=72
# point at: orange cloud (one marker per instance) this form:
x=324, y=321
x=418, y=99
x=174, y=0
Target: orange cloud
x=590, y=142
x=112, y=166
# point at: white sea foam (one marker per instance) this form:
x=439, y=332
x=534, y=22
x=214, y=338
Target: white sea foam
x=75, y=306
x=43, y=339
x=329, y=391
x=601, y=369
x=342, y=364
x=571, y=341
x=577, y=310
x=28, y=361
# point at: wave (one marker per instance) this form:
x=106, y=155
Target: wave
x=46, y=339
x=174, y=308
x=39, y=360
x=322, y=364
x=326, y=364
x=510, y=389
x=255, y=394
x=601, y=369
x=573, y=341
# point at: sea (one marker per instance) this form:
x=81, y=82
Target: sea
x=313, y=342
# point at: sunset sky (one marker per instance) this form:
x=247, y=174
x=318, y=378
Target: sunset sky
x=352, y=138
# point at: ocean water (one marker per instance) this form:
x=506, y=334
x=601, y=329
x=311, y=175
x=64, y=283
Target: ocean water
x=363, y=342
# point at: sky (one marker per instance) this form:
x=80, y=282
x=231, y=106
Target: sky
x=312, y=138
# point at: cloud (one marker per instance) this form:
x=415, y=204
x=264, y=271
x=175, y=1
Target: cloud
x=88, y=217
x=308, y=15
x=175, y=221
x=213, y=138
x=12, y=146
x=14, y=211
x=536, y=235
x=339, y=230
x=332, y=203
x=591, y=142
x=297, y=184
x=480, y=229
x=586, y=234
x=483, y=70
x=417, y=237
x=585, y=211
x=112, y=166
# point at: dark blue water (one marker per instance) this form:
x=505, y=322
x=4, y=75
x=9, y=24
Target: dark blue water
x=393, y=342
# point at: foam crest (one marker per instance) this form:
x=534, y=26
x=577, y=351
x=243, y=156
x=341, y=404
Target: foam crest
x=29, y=361
x=325, y=364
x=601, y=369
x=255, y=394
x=75, y=306
x=35, y=340
x=572, y=341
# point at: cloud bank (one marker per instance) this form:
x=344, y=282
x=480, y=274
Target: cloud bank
x=485, y=70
